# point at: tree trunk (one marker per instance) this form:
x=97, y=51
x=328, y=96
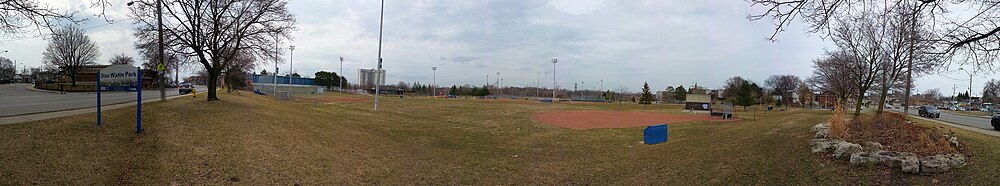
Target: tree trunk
x=858, y=102
x=882, y=96
x=213, y=81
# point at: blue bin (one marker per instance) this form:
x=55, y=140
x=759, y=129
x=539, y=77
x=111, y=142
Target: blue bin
x=655, y=134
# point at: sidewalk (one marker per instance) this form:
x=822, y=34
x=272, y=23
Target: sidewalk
x=73, y=112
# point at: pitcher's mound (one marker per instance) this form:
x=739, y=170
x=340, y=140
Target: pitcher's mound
x=592, y=119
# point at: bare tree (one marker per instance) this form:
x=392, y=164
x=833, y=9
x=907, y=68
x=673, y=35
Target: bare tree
x=70, y=49
x=861, y=39
x=622, y=92
x=805, y=94
x=7, y=70
x=122, y=59
x=831, y=75
x=211, y=32
x=733, y=86
x=235, y=73
x=991, y=91
x=783, y=85
x=20, y=16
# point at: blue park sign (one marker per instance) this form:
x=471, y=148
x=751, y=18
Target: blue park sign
x=121, y=78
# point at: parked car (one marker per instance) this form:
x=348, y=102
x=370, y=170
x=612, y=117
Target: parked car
x=929, y=111
x=995, y=121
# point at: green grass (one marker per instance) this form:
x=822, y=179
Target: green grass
x=259, y=141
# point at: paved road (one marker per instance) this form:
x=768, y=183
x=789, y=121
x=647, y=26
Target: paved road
x=15, y=100
x=978, y=122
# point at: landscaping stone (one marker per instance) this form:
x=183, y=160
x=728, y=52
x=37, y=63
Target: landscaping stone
x=824, y=145
x=874, y=146
x=955, y=160
x=819, y=127
x=934, y=164
x=845, y=149
x=859, y=158
x=887, y=158
x=909, y=164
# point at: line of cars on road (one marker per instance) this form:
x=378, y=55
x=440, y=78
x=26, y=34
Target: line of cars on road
x=934, y=112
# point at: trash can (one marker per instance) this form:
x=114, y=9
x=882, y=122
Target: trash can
x=655, y=134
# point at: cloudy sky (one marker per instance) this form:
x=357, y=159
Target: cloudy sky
x=623, y=43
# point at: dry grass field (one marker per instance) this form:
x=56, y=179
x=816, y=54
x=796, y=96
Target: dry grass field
x=254, y=140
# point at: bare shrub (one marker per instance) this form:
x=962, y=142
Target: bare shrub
x=838, y=123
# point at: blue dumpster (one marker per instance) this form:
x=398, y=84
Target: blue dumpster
x=655, y=134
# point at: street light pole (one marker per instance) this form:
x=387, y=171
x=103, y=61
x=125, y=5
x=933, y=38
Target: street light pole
x=554, y=61
x=291, y=55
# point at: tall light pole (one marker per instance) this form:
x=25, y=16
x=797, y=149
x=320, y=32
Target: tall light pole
x=970, y=87
x=554, y=61
x=538, y=78
x=434, y=84
x=378, y=71
x=341, y=79
x=291, y=54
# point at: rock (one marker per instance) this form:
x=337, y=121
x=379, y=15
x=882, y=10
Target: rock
x=845, y=149
x=822, y=134
x=859, y=158
x=955, y=160
x=820, y=127
x=874, y=146
x=934, y=164
x=887, y=158
x=954, y=141
x=824, y=145
x=909, y=164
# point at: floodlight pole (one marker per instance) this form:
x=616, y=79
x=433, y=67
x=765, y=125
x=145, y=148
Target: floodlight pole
x=554, y=61
x=341, y=78
x=434, y=86
x=538, y=78
x=381, y=15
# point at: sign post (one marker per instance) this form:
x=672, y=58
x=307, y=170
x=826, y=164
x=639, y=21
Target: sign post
x=98, y=99
x=121, y=78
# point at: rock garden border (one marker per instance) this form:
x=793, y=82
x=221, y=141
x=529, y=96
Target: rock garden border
x=872, y=153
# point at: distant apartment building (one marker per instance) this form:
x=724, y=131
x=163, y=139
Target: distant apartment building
x=368, y=77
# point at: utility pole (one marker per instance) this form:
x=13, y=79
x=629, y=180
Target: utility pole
x=381, y=15
x=159, y=30
x=554, y=61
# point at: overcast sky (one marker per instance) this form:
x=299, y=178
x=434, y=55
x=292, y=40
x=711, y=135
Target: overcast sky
x=623, y=43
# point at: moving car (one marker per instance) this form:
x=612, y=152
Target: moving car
x=929, y=111
x=995, y=121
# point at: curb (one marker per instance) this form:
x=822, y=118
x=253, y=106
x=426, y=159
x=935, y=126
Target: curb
x=72, y=112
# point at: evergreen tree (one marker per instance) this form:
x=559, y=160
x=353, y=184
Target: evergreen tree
x=680, y=94
x=744, y=95
x=647, y=97
x=453, y=91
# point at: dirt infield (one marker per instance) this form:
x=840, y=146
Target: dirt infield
x=593, y=119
